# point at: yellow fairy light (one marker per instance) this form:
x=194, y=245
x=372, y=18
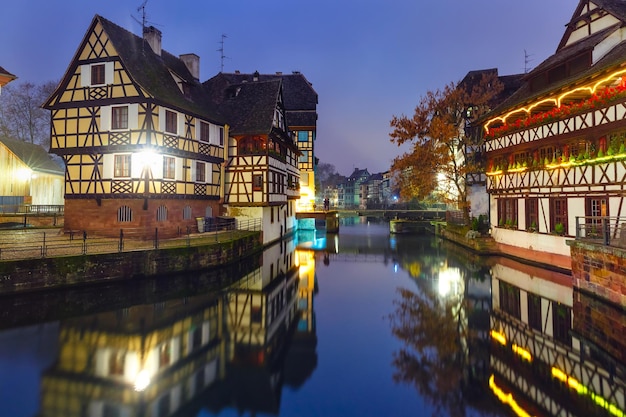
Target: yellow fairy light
x=499, y=337
x=557, y=101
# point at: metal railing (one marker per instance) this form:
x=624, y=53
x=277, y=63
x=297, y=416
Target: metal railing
x=31, y=209
x=18, y=244
x=608, y=231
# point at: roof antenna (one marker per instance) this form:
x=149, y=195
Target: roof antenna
x=221, y=51
x=526, y=61
x=144, y=19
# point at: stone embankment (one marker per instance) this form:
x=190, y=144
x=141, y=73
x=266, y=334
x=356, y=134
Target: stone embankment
x=22, y=275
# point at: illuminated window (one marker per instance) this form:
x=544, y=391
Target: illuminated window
x=121, y=166
x=119, y=117
x=116, y=363
x=169, y=167
x=97, y=74
x=171, y=122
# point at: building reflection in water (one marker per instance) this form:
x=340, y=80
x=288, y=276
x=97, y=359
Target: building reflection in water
x=484, y=332
x=224, y=348
x=549, y=350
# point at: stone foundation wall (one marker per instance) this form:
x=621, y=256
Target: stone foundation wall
x=599, y=270
x=69, y=271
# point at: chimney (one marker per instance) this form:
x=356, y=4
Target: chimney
x=279, y=73
x=192, y=62
x=255, y=76
x=152, y=35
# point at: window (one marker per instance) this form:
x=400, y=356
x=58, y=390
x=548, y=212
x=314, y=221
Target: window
x=595, y=209
x=200, y=172
x=534, y=311
x=507, y=212
x=124, y=214
x=303, y=136
x=171, y=122
x=187, y=213
x=169, y=167
x=562, y=322
x=257, y=182
x=221, y=136
x=97, y=74
x=256, y=314
x=161, y=214
x=116, y=363
x=510, y=299
x=532, y=214
x=164, y=355
x=205, y=130
x=119, y=117
x=558, y=215
x=304, y=158
x=122, y=166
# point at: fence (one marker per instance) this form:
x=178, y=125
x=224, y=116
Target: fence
x=30, y=243
x=31, y=209
x=609, y=231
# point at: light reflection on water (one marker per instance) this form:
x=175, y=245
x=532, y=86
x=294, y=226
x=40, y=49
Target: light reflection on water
x=356, y=324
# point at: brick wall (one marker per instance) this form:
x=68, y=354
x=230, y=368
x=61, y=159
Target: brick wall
x=599, y=270
x=101, y=219
x=602, y=323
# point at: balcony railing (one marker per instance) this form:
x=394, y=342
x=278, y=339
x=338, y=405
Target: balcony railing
x=605, y=230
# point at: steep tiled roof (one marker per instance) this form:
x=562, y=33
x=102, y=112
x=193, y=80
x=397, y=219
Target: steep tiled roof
x=6, y=73
x=611, y=60
x=34, y=156
x=300, y=98
x=249, y=106
x=153, y=72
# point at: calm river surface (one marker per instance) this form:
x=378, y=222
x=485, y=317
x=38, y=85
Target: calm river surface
x=357, y=324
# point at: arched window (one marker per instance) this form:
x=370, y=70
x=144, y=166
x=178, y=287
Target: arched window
x=124, y=214
x=187, y=213
x=161, y=214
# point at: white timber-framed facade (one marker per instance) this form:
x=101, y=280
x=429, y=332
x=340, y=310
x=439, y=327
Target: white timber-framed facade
x=555, y=148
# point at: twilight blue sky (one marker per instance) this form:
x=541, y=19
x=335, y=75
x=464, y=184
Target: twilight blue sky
x=367, y=59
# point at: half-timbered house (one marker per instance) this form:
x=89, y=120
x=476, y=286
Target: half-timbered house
x=556, y=147
x=300, y=101
x=142, y=144
x=261, y=176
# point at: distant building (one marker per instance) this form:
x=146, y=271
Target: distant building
x=556, y=147
x=352, y=190
x=472, y=150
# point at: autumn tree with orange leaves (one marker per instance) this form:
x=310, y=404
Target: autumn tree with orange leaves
x=436, y=135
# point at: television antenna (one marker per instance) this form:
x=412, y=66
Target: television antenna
x=527, y=61
x=221, y=51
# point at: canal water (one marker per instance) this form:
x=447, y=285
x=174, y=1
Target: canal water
x=356, y=324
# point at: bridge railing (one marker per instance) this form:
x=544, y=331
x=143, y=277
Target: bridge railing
x=605, y=230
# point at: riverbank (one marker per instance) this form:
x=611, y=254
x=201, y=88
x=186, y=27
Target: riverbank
x=26, y=275
x=487, y=246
